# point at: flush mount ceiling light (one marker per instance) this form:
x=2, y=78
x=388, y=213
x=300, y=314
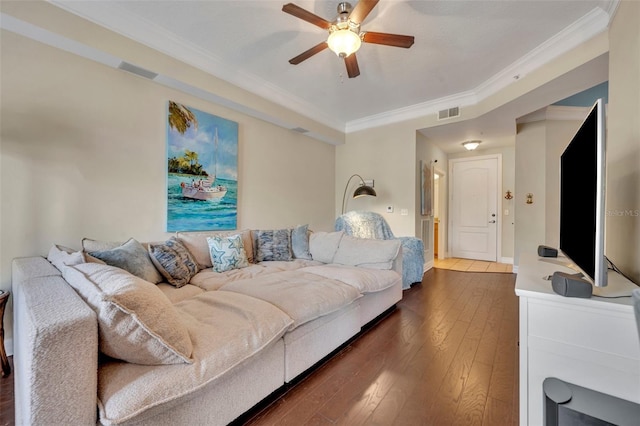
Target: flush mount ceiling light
x=471, y=145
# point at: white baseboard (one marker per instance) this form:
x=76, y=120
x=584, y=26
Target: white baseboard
x=428, y=265
x=508, y=260
x=515, y=269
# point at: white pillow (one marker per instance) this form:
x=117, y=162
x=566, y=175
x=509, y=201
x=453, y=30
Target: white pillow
x=367, y=252
x=61, y=256
x=323, y=245
x=136, y=321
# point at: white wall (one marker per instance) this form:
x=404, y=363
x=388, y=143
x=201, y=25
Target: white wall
x=83, y=154
x=623, y=141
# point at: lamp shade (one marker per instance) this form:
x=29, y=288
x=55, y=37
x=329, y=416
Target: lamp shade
x=344, y=42
x=362, y=190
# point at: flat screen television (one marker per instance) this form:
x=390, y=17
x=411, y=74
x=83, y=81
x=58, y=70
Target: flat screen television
x=582, y=198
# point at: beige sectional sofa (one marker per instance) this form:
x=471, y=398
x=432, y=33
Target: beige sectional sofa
x=97, y=344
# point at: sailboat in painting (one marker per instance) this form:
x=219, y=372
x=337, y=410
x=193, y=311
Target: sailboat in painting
x=205, y=189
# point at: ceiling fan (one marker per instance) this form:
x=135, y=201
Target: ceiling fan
x=345, y=36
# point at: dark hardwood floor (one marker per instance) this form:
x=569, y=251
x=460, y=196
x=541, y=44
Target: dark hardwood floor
x=447, y=355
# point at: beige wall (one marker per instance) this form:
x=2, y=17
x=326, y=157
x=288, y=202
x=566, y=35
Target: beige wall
x=557, y=136
x=538, y=149
x=623, y=141
x=543, y=142
x=529, y=178
x=83, y=154
x=388, y=155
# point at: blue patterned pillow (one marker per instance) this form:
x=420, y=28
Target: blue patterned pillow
x=133, y=258
x=174, y=261
x=273, y=245
x=227, y=253
x=300, y=242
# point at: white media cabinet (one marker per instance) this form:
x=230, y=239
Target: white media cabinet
x=591, y=343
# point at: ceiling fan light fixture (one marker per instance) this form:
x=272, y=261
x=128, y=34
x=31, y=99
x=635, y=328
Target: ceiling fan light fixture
x=344, y=42
x=471, y=145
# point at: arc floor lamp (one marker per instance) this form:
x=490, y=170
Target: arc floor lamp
x=362, y=190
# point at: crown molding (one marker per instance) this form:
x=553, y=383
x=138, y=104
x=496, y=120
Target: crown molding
x=582, y=30
x=49, y=38
x=585, y=28
x=116, y=19
x=413, y=111
x=556, y=113
x=113, y=17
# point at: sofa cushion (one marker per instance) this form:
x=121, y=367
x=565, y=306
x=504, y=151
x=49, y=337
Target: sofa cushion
x=227, y=253
x=132, y=257
x=366, y=252
x=226, y=329
x=302, y=296
x=136, y=322
x=178, y=294
x=209, y=280
x=300, y=242
x=174, y=261
x=272, y=245
x=362, y=279
x=196, y=243
x=323, y=245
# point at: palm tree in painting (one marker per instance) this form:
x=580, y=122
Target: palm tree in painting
x=181, y=117
x=191, y=156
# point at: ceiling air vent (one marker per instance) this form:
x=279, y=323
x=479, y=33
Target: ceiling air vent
x=448, y=113
x=125, y=66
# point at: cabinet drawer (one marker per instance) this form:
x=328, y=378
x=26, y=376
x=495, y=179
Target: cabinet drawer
x=599, y=330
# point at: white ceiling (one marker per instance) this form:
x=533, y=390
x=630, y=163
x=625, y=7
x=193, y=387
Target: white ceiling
x=462, y=48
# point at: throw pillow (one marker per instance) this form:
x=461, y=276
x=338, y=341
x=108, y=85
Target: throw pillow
x=367, y=252
x=227, y=253
x=273, y=245
x=323, y=245
x=61, y=256
x=300, y=242
x=196, y=243
x=174, y=261
x=132, y=257
x=136, y=321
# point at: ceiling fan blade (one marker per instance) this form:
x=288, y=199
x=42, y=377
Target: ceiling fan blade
x=362, y=9
x=388, y=39
x=308, y=53
x=352, y=66
x=305, y=15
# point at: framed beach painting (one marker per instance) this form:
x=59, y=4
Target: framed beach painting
x=202, y=170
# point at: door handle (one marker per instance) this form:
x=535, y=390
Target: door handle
x=492, y=221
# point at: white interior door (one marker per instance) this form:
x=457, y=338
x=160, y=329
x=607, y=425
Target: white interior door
x=474, y=208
